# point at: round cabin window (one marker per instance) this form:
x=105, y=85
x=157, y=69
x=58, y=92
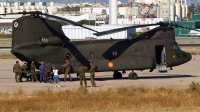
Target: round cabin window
x=68, y=56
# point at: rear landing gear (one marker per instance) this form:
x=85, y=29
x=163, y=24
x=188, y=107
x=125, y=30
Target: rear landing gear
x=132, y=75
x=117, y=75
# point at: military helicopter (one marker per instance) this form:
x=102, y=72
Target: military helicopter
x=38, y=38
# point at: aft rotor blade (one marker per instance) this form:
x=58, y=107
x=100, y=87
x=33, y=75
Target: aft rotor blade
x=24, y=13
x=122, y=29
x=68, y=21
x=37, y=13
x=9, y=14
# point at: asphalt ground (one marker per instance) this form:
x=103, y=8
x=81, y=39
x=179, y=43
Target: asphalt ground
x=5, y=40
x=180, y=77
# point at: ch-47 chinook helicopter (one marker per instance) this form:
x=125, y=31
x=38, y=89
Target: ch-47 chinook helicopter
x=41, y=39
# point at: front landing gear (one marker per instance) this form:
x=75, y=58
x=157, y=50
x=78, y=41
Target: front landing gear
x=117, y=75
x=132, y=75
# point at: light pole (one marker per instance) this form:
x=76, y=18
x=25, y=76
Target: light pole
x=89, y=19
x=89, y=26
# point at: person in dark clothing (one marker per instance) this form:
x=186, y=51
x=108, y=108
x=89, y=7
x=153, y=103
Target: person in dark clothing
x=42, y=69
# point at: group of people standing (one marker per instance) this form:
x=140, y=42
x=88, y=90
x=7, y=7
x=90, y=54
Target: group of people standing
x=81, y=71
x=21, y=71
x=45, y=73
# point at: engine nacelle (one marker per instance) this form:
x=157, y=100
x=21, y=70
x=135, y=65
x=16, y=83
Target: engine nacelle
x=53, y=41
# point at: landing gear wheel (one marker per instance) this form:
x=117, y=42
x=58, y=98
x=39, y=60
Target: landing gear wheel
x=117, y=75
x=132, y=75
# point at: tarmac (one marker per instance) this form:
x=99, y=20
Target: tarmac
x=180, y=77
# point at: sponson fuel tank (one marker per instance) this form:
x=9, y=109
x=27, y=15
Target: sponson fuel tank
x=53, y=40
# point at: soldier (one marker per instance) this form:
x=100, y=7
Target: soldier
x=17, y=71
x=67, y=71
x=92, y=73
x=33, y=71
x=24, y=72
x=81, y=71
x=42, y=69
x=49, y=68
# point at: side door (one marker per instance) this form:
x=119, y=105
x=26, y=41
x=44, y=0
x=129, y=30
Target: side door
x=160, y=61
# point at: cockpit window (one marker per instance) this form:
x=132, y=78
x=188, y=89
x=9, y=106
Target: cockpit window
x=177, y=50
x=176, y=46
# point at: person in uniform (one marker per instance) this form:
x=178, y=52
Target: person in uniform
x=67, y=67
x=24, y=72
x=81, y=71
x=42, y=69
x=33, y=72
x=49, y=69
x=17, y=71
x=92, y=73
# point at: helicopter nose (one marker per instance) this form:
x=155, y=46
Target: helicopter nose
x=187, y=56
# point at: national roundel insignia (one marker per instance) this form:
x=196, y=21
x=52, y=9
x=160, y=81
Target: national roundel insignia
x=16, y=24
x=110, y=64
x=137, y=52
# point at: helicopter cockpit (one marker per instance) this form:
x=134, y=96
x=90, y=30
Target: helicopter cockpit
x=177, y=50
x=176, y=46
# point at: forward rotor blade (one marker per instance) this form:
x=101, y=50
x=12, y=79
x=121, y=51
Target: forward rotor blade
x=176, y=25
x=68, y=21
x=122, y=29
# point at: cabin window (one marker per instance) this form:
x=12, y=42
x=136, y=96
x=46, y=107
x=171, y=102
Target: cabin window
x=137, y=52
x=68, y=56
x=91, y=54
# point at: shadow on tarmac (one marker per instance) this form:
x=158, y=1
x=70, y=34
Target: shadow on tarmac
x=139, y=77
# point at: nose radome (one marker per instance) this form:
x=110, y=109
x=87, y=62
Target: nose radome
x=187, y=56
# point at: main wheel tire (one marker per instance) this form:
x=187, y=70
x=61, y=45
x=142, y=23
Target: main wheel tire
x=132, y=75
x=117, y=75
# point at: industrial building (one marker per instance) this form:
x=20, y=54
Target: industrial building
x=155, y=10
x=176, y=9
x=195, y=23
x=183, y=32
x=6, y=7
x=71, y=32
